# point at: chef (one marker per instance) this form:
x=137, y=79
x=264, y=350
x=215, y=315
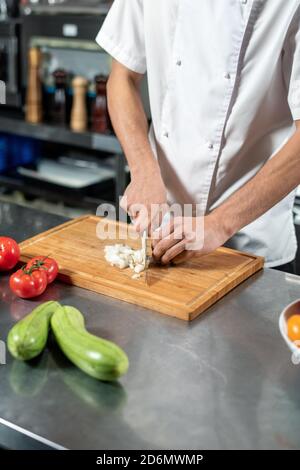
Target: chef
x=224, y=85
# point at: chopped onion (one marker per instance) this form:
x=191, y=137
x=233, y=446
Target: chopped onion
x=122, y=256
x=136, y=276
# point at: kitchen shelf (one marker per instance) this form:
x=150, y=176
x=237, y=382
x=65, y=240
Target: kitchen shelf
x=60, y=135
x=43, y=190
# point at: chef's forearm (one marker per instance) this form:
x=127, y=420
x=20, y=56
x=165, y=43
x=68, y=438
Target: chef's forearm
x=129, y=119
x=273, y=182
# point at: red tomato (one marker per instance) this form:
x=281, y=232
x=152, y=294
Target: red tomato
x=28, y=284
x=49, y=265
x=293, y=326
x=9, y=253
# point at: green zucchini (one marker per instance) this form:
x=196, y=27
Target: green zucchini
x=96, y=357
x=27, y=339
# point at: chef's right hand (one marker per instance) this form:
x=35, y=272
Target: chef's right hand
x=145, y=200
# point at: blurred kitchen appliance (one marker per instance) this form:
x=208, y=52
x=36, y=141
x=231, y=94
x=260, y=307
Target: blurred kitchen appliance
x=9, y=61
x=38, y=7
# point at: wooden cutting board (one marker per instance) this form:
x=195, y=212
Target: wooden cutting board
x=182, y=291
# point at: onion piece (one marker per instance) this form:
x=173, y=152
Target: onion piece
x=122, y=256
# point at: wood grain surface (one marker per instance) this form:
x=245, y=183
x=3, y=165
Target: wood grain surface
x=183, y=291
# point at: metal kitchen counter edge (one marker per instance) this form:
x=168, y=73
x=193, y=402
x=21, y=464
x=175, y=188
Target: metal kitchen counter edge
x=224, y=381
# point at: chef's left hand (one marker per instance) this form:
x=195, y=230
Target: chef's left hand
x=185, y=237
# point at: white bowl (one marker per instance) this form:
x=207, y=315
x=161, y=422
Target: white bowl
x=290, y=310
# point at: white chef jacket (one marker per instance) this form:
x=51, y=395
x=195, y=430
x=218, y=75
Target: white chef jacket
x=224, y=84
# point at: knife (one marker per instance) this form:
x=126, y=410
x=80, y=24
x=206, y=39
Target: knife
x=146, y=250
x=147, y=243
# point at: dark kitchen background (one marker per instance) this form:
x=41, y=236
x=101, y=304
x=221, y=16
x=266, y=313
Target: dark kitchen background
x=58, y=151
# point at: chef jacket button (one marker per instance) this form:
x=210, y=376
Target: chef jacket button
x=179, y=63
x=210, y=145
x=227, y=75
x=166, y=134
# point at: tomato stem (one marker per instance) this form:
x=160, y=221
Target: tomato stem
x=39, y=263
x=30, y=270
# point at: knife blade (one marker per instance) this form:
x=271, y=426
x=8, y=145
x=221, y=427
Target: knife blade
x=146, y=250
x=147, y=244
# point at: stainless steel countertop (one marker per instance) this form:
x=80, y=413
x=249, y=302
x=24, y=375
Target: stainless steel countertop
x=225, y=381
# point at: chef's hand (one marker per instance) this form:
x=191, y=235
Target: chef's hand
x=145, y=200
x=185, y=237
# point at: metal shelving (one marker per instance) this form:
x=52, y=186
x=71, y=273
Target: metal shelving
x=87, y=140
x=60, y=135
x=69, y=197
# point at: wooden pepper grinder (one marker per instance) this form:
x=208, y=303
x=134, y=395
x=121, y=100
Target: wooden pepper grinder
x=34, y=109
x=100, y=116
x=79, y=114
